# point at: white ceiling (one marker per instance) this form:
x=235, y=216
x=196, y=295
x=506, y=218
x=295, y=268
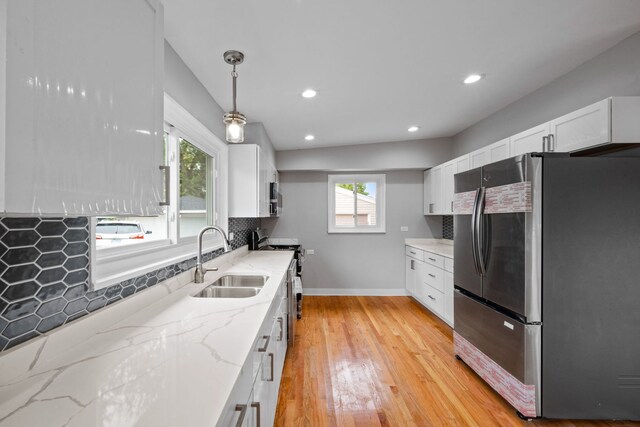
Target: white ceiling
x=381, y=66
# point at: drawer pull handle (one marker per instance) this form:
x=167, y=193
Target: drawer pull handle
x=280, y=321
x=257, y=406
x=266, y=343
x=412, y=253
x=432, y=275
x=431, y=297
x=432, y=259
x=243, y=411
x=271, y=366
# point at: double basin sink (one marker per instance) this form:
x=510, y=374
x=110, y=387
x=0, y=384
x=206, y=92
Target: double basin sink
x=234, y=286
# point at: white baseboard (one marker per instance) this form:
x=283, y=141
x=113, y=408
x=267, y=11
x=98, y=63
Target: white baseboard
x=355, y=292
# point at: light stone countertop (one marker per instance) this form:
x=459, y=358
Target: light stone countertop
x=159, y=358
x=442, y=247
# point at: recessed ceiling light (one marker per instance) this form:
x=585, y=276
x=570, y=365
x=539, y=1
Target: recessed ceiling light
x=309, y=137
x=472, y=78
x=309, y=93
x=413, y=128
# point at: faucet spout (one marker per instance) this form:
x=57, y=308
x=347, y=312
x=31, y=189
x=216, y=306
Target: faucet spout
x=200, y=270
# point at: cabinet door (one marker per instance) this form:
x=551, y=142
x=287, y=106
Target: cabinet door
x=410, y=275
x=238, y=404
x=432, y=191
x=529, y=141
x=265, y=174
x=479, y=158
x=448, y=297
x=448, y=171
x=243, y=181
x=499, y=151
x=84, y=105
x=586, y=127
x=462, y=164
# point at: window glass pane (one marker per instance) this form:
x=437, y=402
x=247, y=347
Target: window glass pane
x=344, y=213
x=115, y=231
x=194, y=180
x=366, y=203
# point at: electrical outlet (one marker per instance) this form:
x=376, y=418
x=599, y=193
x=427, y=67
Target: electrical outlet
x=310, y=251
x=404, y=228
x=231, y=236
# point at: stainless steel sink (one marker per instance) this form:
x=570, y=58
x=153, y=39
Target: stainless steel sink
x=234, y=286
x=241, y=281
x=227, y=292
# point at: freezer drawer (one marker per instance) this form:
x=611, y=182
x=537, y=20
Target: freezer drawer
x=511, y=344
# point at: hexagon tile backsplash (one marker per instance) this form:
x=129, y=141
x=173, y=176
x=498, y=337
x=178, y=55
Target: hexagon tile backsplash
x=44, y=274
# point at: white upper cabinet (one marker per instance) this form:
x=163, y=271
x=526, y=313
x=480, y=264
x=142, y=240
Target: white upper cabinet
x=249, y=177
x=613, y=120
x=529, y=141
x=499, y=151
x=610, y=121
x=433, y=191
x=448, y=171
x=586, y=127
x=479, y=158
x=489, y=154
x=460, y=164
x=83, y=131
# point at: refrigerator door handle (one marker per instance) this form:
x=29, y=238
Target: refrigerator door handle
x=474, y=235
x=478, y=238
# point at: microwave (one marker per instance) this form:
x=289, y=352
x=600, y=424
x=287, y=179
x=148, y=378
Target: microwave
x=275, y=199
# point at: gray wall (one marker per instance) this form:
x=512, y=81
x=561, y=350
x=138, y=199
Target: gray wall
x=351, y=262
x=255, y=133
x=417, y=154
x=614, y=72
x=182, y=85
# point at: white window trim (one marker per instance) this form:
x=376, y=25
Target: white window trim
x=113, y=266
x=380, y=180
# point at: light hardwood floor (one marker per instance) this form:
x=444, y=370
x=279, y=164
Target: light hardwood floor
x=385, y=361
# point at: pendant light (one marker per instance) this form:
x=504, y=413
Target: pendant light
x=234, y=120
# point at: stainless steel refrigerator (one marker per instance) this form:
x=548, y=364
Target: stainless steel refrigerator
x=547, y=283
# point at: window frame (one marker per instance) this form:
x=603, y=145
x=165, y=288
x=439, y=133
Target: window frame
x=380, y=180
x=113, y=265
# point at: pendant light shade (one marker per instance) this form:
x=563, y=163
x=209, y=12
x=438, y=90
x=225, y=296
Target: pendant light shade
x=234, y=120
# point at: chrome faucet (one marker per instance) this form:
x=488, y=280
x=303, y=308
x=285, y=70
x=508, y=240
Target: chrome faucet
x=200, y=270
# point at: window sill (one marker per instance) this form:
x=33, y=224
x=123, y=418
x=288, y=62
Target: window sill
x=110, y=268
x=356, y=231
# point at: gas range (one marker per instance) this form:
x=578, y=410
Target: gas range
x=260, y=241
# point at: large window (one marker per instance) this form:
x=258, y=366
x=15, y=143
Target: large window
x=196, y=161
x=356, y=203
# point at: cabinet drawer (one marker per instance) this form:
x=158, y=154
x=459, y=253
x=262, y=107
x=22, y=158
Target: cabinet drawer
x=433, y=259
x=448, y=264
x=433, y=276
x=433, y=299
x=414, y=253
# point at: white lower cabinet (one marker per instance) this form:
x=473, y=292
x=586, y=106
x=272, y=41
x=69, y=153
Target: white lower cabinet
x=429, y=279
x=254, y=398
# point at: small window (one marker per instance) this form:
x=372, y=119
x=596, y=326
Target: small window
x=195, y=188
x=356, y=203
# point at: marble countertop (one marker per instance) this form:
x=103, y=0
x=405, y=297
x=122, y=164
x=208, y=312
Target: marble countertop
x=442, y=247
x=160, y=358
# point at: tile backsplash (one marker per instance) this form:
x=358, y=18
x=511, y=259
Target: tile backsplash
x=44, y=274
x=447, y=227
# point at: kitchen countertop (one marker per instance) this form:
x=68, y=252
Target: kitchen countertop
x=442, y=247
x=160, y=358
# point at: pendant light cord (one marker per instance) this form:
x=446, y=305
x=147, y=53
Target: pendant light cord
x=235, y=76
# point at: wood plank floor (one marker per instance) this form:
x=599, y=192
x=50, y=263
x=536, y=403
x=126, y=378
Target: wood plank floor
x=385, y=361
